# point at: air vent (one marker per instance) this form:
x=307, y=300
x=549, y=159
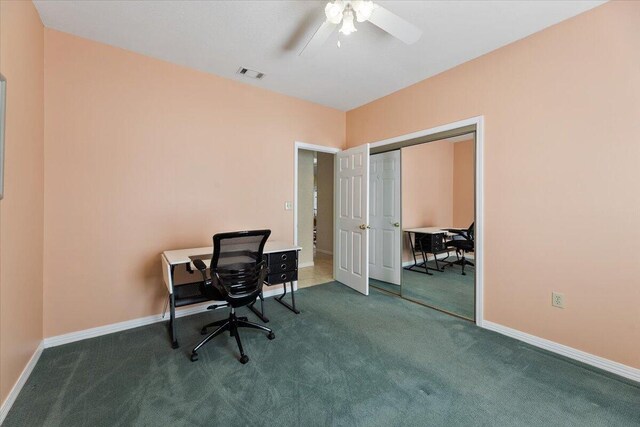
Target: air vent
x=250, y=73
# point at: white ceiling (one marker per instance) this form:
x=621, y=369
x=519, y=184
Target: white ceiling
x=221, y=36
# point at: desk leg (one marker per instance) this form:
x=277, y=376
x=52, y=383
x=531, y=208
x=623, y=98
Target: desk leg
x=443, y=260
x=426, y=266
x=417, y=266
x=293, y=298
x=413, y=251
x=172, y=314
x=260, y=313
x=172, y=322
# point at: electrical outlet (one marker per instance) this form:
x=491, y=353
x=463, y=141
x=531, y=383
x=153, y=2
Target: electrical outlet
x=557, y=300
x=288, y=206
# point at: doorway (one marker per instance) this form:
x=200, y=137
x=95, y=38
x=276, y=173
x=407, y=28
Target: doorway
x=314, y=227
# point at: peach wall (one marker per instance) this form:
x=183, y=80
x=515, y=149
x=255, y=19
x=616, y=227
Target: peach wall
x=427, y=188
x=463, y=183
x=143, y=156
x=561, y=111
x=21, y=210
x=437, y=186
x=427, y=185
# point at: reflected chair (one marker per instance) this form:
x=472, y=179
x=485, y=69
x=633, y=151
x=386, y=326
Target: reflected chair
x=463, y=242
x=236, y=275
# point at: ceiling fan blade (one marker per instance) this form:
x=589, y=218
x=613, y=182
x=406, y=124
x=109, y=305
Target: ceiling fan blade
x=394, y=25
x=319, y=37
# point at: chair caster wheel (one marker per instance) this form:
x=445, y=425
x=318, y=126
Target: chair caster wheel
x=271, y=335
x=203, y=331
x=194, y=357
x=174, y=345
x=244, y=359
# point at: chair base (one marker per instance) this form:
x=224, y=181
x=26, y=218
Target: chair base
x=231, y=324
x=203, y=331
x=461, y=262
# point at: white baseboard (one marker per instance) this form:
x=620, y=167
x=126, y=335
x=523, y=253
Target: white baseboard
x=430, y=258
x=570, y=352
x=322, y=251
x=305, y=264
x=135, y=323
x=22, y=379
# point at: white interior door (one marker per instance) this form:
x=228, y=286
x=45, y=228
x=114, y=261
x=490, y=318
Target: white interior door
x=351, y=259
x=385, y=253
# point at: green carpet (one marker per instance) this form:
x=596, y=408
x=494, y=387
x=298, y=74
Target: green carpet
x=385, y=286
x=345, y=360
x=448, y=290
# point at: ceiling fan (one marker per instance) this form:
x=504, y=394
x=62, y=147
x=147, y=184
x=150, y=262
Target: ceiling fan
x=338, y=11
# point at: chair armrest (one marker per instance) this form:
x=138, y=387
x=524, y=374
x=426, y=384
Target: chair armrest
x=202, y=268
x=458, y=231
x=199, y=264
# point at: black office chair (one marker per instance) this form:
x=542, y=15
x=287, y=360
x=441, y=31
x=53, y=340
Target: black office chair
x=463, y=241
x=237, y=273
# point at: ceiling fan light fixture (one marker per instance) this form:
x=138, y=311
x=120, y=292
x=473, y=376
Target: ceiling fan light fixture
x=363, y=8
x=333, y=11
x=344, y=11
x=347, y=23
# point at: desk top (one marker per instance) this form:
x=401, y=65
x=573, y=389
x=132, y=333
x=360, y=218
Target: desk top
x=182, y=256
x=427, y=230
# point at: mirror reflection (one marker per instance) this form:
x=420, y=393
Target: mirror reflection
x=438, y=225
x=422, y=216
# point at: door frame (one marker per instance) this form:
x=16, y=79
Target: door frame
x=298, y=145
x=478, y=121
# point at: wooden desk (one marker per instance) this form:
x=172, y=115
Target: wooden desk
x=282, y=262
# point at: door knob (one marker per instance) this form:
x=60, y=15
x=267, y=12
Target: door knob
x=396, y=224
x=363, y=226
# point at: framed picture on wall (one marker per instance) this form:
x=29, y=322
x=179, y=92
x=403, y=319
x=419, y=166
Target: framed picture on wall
x=3, y=111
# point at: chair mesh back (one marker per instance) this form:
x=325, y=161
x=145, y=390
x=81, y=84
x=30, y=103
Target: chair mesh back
x=237, y=262
x=238, y=250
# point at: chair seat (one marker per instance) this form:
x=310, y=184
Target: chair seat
x=465, y=245
x=190, y=293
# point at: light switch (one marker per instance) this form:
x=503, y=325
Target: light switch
x=288, y=206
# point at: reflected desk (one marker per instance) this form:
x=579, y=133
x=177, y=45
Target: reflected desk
x=282, y=264
x=427, y=240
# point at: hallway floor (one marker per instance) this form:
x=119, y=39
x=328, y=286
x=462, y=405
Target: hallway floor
x=321, y=272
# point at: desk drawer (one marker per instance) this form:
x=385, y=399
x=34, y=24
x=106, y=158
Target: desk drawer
x=431, y=243
x=280, y=257
x=277, y=266
x=278, y=278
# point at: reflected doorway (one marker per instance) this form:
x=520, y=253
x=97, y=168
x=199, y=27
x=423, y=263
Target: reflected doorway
x=385, y=234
